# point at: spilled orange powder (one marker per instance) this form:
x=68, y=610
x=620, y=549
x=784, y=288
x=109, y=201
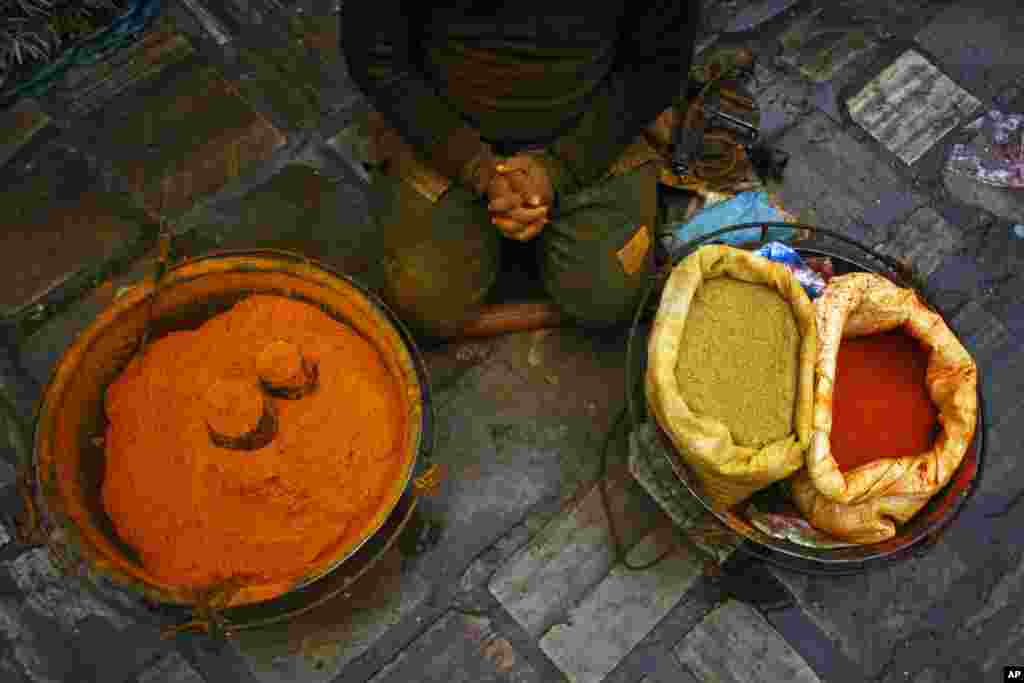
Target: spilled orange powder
x=198, y=514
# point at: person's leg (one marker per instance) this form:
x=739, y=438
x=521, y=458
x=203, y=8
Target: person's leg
x=598, y=252
x=440, y=258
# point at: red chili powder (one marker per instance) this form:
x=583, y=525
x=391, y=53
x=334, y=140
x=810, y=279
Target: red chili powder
x=881, y=406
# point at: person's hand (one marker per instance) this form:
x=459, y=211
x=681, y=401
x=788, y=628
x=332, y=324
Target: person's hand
x=520, y=197
x=518, y=215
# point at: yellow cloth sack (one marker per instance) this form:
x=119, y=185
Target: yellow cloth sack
x=729, y=473
x=864, y=504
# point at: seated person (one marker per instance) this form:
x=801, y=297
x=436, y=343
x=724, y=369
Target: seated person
x=523, y=121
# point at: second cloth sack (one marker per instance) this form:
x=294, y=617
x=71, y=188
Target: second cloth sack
x=865, y=504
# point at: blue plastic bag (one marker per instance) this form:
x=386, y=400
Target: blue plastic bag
x=812, y=282
x=746, y=207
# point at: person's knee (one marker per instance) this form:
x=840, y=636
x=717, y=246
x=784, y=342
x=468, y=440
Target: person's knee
x=594, y=300
x=598, y=283
x=440, y=258
x=598, y=256
x=428, y=294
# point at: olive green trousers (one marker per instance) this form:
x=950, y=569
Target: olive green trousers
x=442, y=253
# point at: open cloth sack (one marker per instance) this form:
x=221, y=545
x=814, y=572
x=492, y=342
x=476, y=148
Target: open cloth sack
x=864, y=504
x=728, y=473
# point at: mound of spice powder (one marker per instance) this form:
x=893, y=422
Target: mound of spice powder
x=199, y=514
x=739, y=359
x=880, y=406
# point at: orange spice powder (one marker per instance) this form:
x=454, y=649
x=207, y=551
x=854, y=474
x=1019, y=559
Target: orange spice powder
x=881, y=407
x=199, y=514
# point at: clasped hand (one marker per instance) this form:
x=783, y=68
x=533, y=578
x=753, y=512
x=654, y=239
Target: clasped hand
x=519, y=194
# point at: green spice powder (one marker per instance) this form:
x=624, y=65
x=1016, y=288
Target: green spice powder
x=738, y=360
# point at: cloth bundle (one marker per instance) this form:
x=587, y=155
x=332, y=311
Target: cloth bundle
x=729, y=473
x=865, y=504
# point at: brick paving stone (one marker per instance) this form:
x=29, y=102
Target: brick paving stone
x=989, y=591
x=49, y=594
x=735, y=643
x=570, y=556
x=653, y=656
x=1003, y=378
x=833, y=181
x=987, y=268
x=138, y=648
x=1001, y=254
x=958, y=280
x=449, y=365
x=58, y=631
x=5, y=535
x=18, y=125
x=315, y=647
x=192, y=129
x=171, y=669
x=214, y=659
x=459, y=649
x=37, y=649
x=10, y=670
x=487, y=565
x=756, y=14
x=980, y=42
x=1005, y=203
x=892, y=207
x=910, y=106
x=322, y=34
x=621, y=611
x=339, y=94
x=196, y=20
x=830, y=96
x=923, y=241
x=717, y=15
x=822, y=42
x=41, y=351
x=61, y=222
x=1004, y=471
x=928, y=676
x=649, y=463
x=252, y=15
x=826, y=100
x=981, y=332
x=893, y=600
x=997, y=629
x=285, y=78
x=658, y=664
x=354, y=147
x=511, y=438
x=1009, y=591
x=89, y=87
x=301, y=208
x=831, y=39
x=1008, y=298
x=782, y=99
x=1008, y=305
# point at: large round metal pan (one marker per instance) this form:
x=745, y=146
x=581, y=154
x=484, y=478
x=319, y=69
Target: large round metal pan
x=68, y=462
x=847, y=256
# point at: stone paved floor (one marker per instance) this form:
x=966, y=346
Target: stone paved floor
x=240, y=111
